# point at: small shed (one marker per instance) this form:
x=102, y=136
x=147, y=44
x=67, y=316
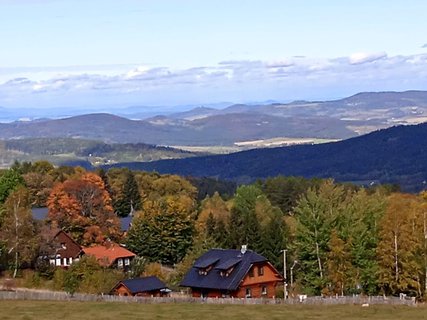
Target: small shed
x=144, y=287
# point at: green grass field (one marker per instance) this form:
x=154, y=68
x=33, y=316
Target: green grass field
x=27, y=310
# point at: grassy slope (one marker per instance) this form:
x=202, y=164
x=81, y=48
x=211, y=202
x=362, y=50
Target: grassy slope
x=85, y=310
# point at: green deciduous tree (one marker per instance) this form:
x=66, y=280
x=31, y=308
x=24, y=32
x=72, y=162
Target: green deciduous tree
x=163, y=231
x=316, y=215
x=9, y=181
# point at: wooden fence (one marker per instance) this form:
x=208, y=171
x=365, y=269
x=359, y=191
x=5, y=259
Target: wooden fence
x=62, y=296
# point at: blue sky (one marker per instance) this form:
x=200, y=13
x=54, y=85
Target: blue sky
x=75, y=53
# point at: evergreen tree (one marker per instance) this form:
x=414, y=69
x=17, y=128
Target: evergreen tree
x=130, y=200
x=273, y=243
x=236, y=229
x=253, y=233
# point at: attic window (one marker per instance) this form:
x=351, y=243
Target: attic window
x=63, y=246
x=203, y=272
x=260, y=271
x=226, y=273
x=251, y=272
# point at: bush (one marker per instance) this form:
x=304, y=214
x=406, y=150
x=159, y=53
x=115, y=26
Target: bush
x=45, y=269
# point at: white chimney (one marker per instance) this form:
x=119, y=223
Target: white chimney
x=243, y=249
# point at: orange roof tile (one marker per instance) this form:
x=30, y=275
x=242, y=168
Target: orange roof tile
x=106, y=255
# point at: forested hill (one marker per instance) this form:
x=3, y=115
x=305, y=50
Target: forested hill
x=394, y=155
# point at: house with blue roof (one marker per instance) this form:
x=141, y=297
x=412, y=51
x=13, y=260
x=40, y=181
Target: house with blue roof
x=232, y=273
x=144, y=287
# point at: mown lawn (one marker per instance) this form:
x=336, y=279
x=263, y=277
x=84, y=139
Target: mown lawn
x=27, y=310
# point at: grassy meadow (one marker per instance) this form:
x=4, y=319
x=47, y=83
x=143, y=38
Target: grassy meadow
x=47, y=310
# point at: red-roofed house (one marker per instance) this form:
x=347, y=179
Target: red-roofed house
x=111, y=255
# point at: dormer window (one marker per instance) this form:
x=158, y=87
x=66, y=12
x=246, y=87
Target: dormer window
x=226, y=273
x=203, y=272
x=63, y=246
x=205, y=266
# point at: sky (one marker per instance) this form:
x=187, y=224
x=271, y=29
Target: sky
x=104, y=53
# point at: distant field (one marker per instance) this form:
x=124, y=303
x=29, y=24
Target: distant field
x=87, y=310
x=254, y=144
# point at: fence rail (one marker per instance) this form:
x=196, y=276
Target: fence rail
x=62, y=296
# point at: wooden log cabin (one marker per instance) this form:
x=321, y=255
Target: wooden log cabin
x=232, y=273
x=142, y=287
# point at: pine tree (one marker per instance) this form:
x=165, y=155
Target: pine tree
x=253, y=232
x=130, y=200
x=273, y=243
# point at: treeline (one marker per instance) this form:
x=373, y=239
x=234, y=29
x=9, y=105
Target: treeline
x=339, y=238
x=88, y=152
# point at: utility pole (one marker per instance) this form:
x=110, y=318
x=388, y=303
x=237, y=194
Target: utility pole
x=285, y=284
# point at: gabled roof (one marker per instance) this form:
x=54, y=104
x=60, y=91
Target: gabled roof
x=106, y=255
x=145, y=284
x=224, y=260
x=204, y=263
x=72, y=248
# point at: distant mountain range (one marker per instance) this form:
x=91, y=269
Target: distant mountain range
x=395, y=155
x=205, y=126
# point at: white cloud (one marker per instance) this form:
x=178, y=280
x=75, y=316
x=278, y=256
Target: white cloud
x=223, y=81
x=280, y=63
x=363, y=57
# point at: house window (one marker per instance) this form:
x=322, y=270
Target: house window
x=248, y=292
x=65, y=261
x=264, y=290
x=120, y=263
x=260, y=271
x=58, y=260
x=251, y=272
x=70, y=261
x=127, y=261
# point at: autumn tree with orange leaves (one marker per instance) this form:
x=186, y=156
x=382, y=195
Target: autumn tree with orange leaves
x=82, y=207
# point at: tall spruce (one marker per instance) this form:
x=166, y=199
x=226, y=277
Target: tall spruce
x=273, y=241
x=130, y=200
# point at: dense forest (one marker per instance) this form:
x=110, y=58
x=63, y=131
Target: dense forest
x=396, y=155
x=339, y=238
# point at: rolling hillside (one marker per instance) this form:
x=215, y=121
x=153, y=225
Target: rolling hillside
x=395, y=155
x=338, y=119
x=82, y=152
